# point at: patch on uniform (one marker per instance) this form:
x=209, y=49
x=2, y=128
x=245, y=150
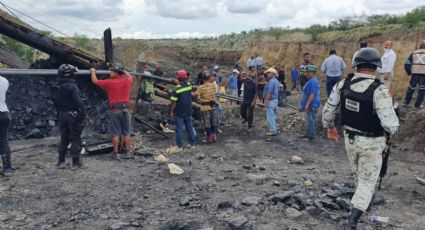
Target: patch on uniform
x=352, y=105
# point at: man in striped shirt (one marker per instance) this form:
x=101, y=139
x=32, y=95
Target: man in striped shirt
x=206, y=93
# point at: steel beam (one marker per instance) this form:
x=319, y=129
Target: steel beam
x=54, y=72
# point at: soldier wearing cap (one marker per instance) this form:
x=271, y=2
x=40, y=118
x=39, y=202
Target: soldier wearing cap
x=118, y=88
x=181, y=109
x=310, y=101
x=415, y=67
x=369, y=120
x=71, y=114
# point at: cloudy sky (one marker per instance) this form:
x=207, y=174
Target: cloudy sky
x=192, y=18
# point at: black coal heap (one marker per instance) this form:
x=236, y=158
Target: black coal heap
x=33, y=113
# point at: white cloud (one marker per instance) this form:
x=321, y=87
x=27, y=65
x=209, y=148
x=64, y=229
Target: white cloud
x=244, y=6
x=183, y=9
x=194, y=18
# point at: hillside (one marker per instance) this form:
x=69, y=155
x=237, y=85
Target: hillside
x=284, y=50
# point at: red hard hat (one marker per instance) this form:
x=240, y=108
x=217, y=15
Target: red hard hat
x=181, y=74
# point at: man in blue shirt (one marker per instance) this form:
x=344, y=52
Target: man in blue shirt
x=233, y=83
x=294, y=77
x=250, y=63
x=310, y=101
x=271, y=94
x=333, y=66
x=181, y=108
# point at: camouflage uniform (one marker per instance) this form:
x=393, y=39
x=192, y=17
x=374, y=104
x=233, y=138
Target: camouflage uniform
x=364, y=153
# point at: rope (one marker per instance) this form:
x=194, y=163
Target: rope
x=35, y=20
x=8, y=10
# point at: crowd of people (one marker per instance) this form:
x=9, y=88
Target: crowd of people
x=363, y=98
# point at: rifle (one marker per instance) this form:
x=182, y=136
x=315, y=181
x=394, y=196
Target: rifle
x=384, y=168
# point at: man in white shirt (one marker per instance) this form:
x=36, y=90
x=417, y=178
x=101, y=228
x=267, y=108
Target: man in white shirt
x=388, y=61
x=4, y=128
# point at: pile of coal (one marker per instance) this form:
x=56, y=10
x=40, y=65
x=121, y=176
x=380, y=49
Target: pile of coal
x=33, y=112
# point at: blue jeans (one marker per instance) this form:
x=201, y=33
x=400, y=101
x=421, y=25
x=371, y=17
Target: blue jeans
x=311, y=123
x=293, y=84
x=417, y=79
x=233, y=92
x=218, y=113
x=330, y=82
x=271, y=114
x=180, y=123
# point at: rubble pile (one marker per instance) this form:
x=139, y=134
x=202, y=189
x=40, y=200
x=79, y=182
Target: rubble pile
x=331, y=203
x=33, y=113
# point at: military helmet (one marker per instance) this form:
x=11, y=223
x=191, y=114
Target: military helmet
x=67, y=70
x=368, y=56
x=117, y=67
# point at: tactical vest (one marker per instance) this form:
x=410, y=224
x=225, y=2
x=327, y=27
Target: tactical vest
x=418, y=61
x=357, y=108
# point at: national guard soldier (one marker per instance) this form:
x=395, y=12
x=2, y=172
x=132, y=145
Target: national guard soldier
x=369, y=119
x=181, y=108
x=71, y=114
x=415, y=66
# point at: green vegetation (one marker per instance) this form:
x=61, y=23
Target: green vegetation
x=81, y=41
x=25, y=52
x=410, y=19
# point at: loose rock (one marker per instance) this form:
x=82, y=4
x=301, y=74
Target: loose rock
x=292, y=213
x=251, y=200
x=297, y=160
x=119, y=225
x=308, y=183
x=238, y=222
x=174, y=169
x=281, y=197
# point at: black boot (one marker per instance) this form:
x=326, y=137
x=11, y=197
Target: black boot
x=7, y=165
x=76, y=162
x=353, y=219
x=61, y=160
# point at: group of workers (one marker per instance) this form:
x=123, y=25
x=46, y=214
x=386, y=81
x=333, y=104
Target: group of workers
x=365, y=102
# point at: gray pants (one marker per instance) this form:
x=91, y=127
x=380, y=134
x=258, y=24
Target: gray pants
x=120, y=123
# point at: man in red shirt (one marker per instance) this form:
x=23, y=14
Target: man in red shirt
x=118, y=88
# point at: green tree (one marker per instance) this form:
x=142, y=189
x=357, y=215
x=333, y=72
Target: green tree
x=82, y=41
x=415, y=16
x=315, y=30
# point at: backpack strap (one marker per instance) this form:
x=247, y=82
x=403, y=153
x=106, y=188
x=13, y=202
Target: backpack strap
x=371, y=89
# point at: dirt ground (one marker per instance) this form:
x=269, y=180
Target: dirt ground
x=237, y=183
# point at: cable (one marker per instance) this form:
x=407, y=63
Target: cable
x=61, y=18
x=8, y=10
x=36, y=20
